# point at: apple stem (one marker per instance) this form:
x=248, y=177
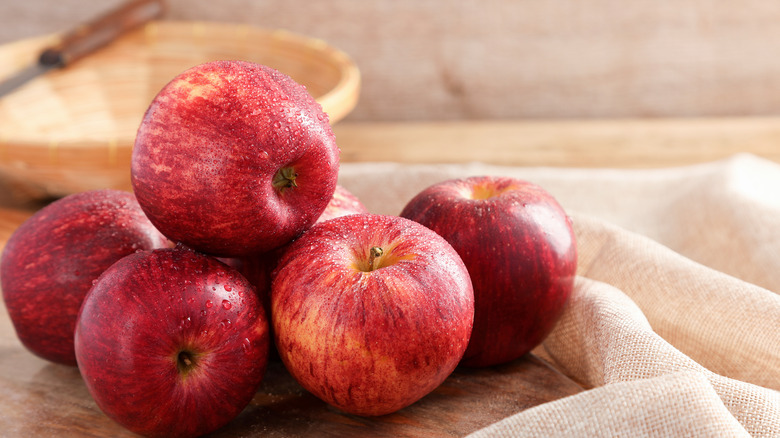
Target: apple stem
x=285, y=178
x=373, y=258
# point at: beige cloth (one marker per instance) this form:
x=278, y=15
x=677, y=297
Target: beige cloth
x=674, y=324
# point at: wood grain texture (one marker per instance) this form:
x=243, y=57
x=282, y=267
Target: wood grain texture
x=43, y=399
x=436, y=59
x=615, y=143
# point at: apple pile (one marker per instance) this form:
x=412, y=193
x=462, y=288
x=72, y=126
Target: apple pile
x=237, y=239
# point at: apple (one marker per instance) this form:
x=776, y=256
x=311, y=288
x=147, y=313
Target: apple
x=342, y=203
x=172, y=342
x=370, y=313
x=520, y=250
x=51, y=260
x=234, y=158
x=257, y=268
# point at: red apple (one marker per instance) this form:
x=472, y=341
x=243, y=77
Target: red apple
x=520, y=250
x=51, y=260
x=370, y=313
x=257, y=268
x=342, y=203
x=234, y=158
x=172, y=343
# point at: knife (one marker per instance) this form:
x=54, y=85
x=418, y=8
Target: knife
x=85, y=39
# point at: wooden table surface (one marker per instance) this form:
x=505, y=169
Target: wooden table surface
x=43, y=399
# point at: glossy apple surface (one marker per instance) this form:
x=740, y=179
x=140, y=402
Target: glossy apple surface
x=257, y=268
x=370, y=313
x=172, y=343
x=519, y=247
x=234, y=158
x=50, y=261
x=342, y=203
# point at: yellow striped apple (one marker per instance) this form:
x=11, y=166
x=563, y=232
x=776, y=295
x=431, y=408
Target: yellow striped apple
x=370, y=313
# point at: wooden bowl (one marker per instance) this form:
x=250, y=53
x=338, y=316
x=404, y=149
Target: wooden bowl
x=72, y=130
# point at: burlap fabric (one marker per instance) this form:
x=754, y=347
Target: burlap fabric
x=674, y=324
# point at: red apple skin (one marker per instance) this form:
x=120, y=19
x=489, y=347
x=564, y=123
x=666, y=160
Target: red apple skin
x=371, y=342
x=139, y=320
x=342, y=203
x=257, y=268
x=520, y=250
x=51, y=260
x=212, y=151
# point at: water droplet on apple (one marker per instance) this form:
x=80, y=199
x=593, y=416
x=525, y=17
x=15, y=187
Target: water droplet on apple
x=277, y=124
x=225, y=324
x=228, y=288
x=246, y=345
x=209, y=304
x=226, y=304
x=203, y=312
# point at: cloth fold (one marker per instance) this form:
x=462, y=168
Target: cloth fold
x=674, y=324
x=628, y=409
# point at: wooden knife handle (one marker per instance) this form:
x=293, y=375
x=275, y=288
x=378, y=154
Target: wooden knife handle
x=95, y=34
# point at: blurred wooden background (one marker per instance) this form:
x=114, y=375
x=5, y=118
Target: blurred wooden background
x=511, y=59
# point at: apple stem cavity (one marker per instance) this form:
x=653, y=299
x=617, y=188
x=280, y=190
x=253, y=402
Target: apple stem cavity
x=285, y=179
x=185, y=362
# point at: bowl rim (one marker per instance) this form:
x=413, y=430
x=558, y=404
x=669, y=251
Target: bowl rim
x=339, y=100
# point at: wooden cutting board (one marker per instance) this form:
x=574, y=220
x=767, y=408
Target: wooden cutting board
x=38, y=398
x=43, y=399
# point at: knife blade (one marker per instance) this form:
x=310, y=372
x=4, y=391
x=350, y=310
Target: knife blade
x=85, y=39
